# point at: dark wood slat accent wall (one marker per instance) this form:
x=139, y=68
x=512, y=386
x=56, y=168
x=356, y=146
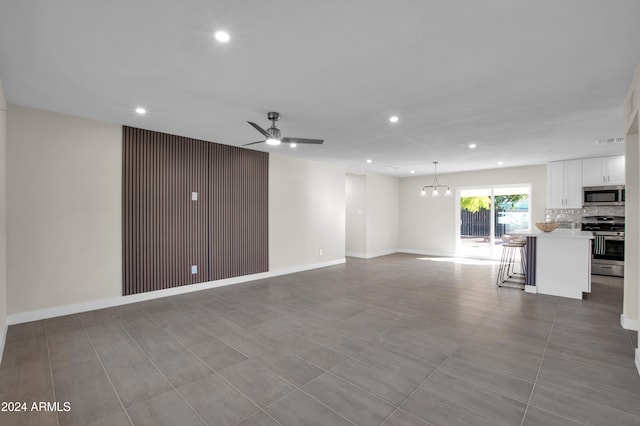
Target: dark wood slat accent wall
x=165, y=232
x=239, y=220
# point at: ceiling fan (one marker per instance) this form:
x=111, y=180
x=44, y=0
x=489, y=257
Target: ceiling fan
x=273, y=137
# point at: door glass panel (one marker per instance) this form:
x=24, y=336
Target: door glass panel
x=475, y=223
x=511, y=216
x=489, y=217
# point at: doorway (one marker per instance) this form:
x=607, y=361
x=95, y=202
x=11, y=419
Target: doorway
x=489, y=217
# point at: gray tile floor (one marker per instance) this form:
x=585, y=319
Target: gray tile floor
x=397, y=340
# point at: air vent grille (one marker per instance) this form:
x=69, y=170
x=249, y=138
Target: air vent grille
x=609, y=141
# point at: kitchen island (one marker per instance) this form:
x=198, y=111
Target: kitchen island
x=562, y=263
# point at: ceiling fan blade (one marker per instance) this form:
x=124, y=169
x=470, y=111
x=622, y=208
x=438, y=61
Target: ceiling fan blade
x=260, y=129
x=302, y=140
x=253, y=143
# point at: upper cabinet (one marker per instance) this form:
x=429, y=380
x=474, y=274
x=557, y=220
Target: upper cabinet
x=603, y=171
x=564, y=184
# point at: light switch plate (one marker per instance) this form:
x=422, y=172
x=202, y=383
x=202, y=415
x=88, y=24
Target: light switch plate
x=194, y=269
x=194, y=196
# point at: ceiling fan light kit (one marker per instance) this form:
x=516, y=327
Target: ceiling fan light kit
x=435, y=185
x=272, y=141
x=273, y=136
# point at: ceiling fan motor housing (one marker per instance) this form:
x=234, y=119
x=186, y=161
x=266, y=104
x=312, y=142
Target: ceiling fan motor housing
x=273, y=116
x=274, y=137
x=274, y=132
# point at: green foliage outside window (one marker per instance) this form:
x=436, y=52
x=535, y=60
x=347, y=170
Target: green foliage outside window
x=483, y=202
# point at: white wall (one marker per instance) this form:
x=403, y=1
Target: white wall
x=383, y=214
x=428, y=224
x=306, y=212
x=356, y=215
x=3, y=219
x=373, y=214
x=64, y=180
x=630, y=315
x=64, y=190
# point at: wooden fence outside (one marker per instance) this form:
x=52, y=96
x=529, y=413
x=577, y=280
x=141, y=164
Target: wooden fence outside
x=479, y=224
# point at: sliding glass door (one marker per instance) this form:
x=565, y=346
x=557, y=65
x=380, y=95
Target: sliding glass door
x=488, y=217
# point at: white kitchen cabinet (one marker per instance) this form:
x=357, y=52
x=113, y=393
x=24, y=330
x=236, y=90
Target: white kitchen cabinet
x=563, y=263
x=603, y=171
x=564, y=184
x=615, y=170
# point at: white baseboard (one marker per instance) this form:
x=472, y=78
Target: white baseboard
x=426, y=252
x=370, y=255
x=57, y=311
x=531, y=289
x=628, y=324
x=638, y=360
x=356, y=254
x=3, y=339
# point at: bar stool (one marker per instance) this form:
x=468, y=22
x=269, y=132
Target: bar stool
x=513, y=253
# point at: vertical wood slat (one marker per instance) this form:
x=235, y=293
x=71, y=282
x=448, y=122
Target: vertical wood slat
x=239, y=216
x=530, y=277
x=225, y=232
x=163, y=230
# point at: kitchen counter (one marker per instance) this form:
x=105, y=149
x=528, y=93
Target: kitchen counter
x=559, y=233
x=562, y=263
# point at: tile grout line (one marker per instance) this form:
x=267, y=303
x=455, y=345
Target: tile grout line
x=352, y=358
x=159, y=370
x=290, y=330
x=436, y=370
x=349, y=357
x=416, y=389
x=467, y=338
x=533, y=388
x=106, y=373
x=53, y=385
x=296, y=388
x=503, y=302
x=211, y=368
x=327, y=407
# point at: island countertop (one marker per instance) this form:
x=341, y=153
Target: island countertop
x=562, y=262
x=558, y=233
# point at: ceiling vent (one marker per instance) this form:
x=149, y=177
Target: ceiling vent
x=609, y=141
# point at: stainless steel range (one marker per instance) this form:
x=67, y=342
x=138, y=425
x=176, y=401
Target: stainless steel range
x=607, y=253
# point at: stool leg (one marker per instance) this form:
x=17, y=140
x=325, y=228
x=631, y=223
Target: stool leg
x=512, y=265
x=501, y=269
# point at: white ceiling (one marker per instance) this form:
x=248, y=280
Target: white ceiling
x=527, y=81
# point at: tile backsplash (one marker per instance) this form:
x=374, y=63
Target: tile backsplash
x=572, y=218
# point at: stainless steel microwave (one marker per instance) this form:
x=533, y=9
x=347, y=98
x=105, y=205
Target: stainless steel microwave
x=603, y=196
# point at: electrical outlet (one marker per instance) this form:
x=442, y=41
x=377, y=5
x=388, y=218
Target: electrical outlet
x=194, y=196
x=194, y=269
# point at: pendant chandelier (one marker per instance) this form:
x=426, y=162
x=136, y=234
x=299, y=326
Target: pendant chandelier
x=434, y=187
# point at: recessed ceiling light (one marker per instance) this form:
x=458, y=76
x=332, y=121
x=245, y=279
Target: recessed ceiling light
x=412, y=172
x=369, y=161
x=141, y=111
x=393, y=119
x=472, y=145
x=500, y=163
x=222, y=36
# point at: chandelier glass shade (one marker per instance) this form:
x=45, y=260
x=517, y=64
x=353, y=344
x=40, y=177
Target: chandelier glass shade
x=435, y=187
